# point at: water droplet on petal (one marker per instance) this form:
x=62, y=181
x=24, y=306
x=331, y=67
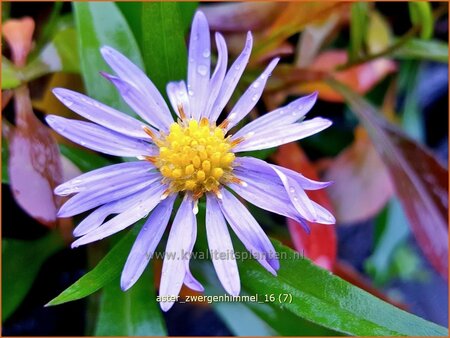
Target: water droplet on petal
x=206, y=53
x=255, y=84
x=292, y=189
x=255, y=97
x=68, y=103
x=202, y=70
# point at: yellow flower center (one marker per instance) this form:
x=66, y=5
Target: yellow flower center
x=195, y=157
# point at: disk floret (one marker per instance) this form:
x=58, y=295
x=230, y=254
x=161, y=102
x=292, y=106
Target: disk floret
x=195, y=157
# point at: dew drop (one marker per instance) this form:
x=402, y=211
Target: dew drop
x=255, y=84
x=68, y=103
x=255, y=98
x=202, y=70
x=292, y=189
x=206, y=53
x=263, y=76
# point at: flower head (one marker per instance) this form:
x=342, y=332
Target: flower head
x=192, y=157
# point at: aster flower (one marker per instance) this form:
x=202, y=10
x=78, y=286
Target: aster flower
x=191, y=157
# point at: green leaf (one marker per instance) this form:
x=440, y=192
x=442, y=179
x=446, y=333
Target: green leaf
x=22, y=261
x=358, y=27
x=378, y=33
x=131, y=313
x=132, y=10
x=433, y=50
x=59, y=55
x=256, y=319
x=11, y=78
x=104, y=273
x=163, y=29
x=422, y=15
x=317, y=296
x=5, y=158
x=102, y=24
x=83, y=160
x=394, y=234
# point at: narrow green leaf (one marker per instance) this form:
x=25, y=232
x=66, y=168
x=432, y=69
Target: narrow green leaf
x=132, y=10
x=421, y=15
x=10, y=76
x=83, y=160
x=394, y=234
x=358, y=28
x=379, y=35
x=22, y=261
x=105, y=271
x=316, y=295
x=163, y=30
x=256, y=319
x=432, y=50
x=102, y=24
x=131, y=313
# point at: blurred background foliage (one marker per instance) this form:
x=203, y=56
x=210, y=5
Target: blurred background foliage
x=381, y=70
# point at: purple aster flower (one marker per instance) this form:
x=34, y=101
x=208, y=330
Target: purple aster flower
x=192, y=157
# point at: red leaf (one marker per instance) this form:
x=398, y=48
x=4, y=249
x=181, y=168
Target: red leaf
x=362, y=184
x=320, y=245
x=420, y=181
x=34, y=162
x=241, y=17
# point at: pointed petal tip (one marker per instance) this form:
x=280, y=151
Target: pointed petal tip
x=106, y=50
x=125, y=283
x=166, y=306
x=233, y=291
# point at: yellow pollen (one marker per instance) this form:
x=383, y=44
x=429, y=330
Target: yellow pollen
x=194, y=156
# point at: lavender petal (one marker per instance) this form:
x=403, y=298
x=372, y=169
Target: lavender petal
x=191, y=282
x=124, y=219
x=286, y=115
x=178, y=97
x=274, y=137
x=298, y=197
x=146, y=243
x=128, y=71
x=142, y=104
x=99, y=138
x=100, y=113
x=180, y=242
x=106, y=174
x=219, y=243
x=250, y=97
x=249, y=231
x=231, y=79
x=98, y=216
x=199, y=64
x=90, y=199
x=219, y=74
